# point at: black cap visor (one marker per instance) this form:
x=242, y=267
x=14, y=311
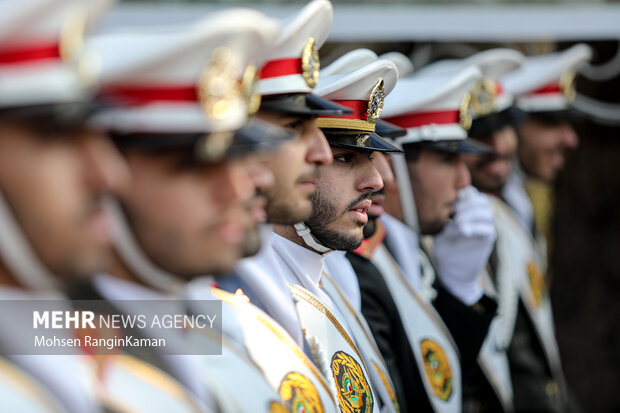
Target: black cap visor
x=255, y=137
x=53, y=117
x=363, y=141
x=303, y=104
x=554, y=118
x=458, y=146
x=389, y=130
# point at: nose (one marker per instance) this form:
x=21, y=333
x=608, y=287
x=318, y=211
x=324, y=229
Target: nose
x=383, y=166
x=463, y=178
x=319, y=152
x=105, y=170
x=233, y=183
x=569, y=136
x=370, y=179
x=504, y=141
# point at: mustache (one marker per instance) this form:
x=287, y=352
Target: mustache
x=363, y=197
x=312, y=176
x=93, y=206
x=492, y=158
x=377, y=193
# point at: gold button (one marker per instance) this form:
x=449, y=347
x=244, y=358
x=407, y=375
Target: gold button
x=551, y=388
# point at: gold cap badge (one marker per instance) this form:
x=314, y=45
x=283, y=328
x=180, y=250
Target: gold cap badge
x=213, y=146
x=483, y=98
x=363, y=141
x=567, y=85
x=249, y=89
x=375, y=103
x=465, y=118
x=71, y=41
x=218, y=89
x=310, y=63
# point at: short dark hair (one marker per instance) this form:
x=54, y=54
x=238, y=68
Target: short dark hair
x=412, y=152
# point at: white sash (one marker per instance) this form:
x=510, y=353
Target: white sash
x=525, y=256
x=335, y=353
x=493, y=359
x=379, y=375
x=129, y=384
x=21, y=393
x=286, y=367
x=428, y=337
x=235, y=381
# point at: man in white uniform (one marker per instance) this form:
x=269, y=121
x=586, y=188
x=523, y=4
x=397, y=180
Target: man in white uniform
x=53, y=172
x=517, y=267
x=338, y=336
x=182, y=124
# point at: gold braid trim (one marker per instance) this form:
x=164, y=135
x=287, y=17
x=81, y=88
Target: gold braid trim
x=340, y=123
x=275, y=329
x=319, y=306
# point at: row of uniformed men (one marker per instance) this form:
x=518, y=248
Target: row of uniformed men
x=340, y=306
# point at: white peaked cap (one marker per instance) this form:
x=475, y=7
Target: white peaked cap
x=349, y=62
x=284, y=70
x=431, y=107
x=41, y=50
x=494, y=64
x=182, y=81
x=546, y=83
x=402, y=62
x=355, y=90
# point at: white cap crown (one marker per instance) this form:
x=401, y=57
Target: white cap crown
x=546, y=83
x=433, y=107
x=188, y=81
x=293, y=64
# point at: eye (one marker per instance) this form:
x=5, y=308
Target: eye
x=448, y=157
x=296, y=126
x=344, y=157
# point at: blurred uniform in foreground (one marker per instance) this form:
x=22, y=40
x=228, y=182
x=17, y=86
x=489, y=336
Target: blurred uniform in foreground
x=182, y=121
x=53, y=173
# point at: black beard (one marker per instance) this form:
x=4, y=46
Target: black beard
x=323, y=214
x=371, y=227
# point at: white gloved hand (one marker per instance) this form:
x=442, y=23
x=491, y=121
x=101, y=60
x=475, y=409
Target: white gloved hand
x=463, y=248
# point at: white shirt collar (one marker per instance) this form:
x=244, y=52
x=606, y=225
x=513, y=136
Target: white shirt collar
x=307, y=266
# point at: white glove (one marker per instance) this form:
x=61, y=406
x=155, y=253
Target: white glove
x=463, y=248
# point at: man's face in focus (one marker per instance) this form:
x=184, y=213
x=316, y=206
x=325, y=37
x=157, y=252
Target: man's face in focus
x=490, y=172
x=543, y=147
x=342, y=199
x=191, y=218
x=53, y=178
x=436, y=177
x=294, y=165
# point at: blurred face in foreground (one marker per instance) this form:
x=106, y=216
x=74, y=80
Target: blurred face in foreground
x=52, y=177
x=490, y=172
x=543, y=146
x=190, y=217
x=436, y=178
x=343, y=198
